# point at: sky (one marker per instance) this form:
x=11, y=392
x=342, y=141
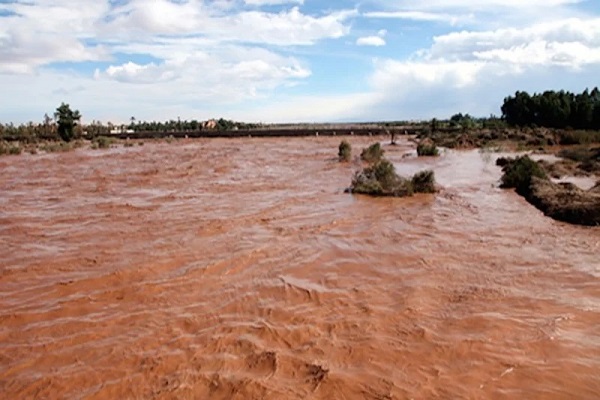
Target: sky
x=289, y=60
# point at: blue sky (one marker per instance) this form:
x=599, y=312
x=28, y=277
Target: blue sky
x=289, y=60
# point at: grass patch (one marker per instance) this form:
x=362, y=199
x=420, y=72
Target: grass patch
x=9, y=148
x=580, y=154
x=56, y=147
x=372, y=154
x=578, y=137
x=344, y=151
x=380, y=179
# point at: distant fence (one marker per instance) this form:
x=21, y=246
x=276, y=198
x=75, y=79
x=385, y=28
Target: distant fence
x=268, y=133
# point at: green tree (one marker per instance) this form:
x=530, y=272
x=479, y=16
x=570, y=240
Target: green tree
x=67, y=120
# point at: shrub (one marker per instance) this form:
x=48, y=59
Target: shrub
x=102, y=142
x=344, y=151
x=427, y=149
x=6, y=148
x=423, y=182
x=519, y=172
x=380, y=179
x=372, y=154
x=14, y=150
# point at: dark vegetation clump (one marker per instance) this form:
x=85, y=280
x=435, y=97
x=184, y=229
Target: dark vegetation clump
x=380, y=179
x=372, y=154
x=502, y=161
x=424, y=182
x=427, y=148
x=561, y=201
x=518, y=174
x=344, y=151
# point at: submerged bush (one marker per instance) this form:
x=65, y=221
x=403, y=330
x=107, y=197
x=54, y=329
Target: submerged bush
x=519, y=172
x=427, y=148
x=380, y=179
x=344, y=151
x=424, y=182
x=372, y=154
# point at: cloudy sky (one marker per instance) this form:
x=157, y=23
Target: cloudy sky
x=289, y=60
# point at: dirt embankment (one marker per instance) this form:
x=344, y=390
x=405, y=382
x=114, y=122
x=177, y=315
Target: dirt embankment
x=561, y=201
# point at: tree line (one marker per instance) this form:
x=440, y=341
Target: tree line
x=65, y=125
x=553, y=109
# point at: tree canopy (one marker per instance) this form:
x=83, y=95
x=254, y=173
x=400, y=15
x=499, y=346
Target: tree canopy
x=67, y=120
x=554, y=109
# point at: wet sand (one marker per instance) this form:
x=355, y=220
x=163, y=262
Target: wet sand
x=238, y=269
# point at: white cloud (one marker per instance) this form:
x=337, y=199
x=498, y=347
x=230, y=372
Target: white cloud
x=571, y=43
x=138, y=19
x=370, y=41
x=271, y=2
x=483, y=14
x=420, y=16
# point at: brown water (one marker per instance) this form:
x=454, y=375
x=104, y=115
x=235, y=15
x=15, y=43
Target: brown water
x=238, y=269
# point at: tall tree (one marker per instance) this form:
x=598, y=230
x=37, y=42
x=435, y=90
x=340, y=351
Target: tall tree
x=67, y=120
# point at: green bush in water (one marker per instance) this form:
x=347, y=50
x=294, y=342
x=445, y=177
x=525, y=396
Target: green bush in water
x=424, y=182
x=519, y=172
x=380, y=179
x=372, y=154
x=344, y=151
x=427, y=149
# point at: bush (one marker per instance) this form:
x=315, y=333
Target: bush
x=344, y=151
x=519, y=172
x=381, y=179
x=372, y=154
x=427, y=149
x=102, y=142
x=423, y=182
x=6, y=148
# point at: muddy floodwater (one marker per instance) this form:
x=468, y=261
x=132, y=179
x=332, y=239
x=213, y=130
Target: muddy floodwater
x=239, y=269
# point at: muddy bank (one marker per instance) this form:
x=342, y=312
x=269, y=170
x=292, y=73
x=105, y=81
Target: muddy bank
x=563, y=201
x=238, y=269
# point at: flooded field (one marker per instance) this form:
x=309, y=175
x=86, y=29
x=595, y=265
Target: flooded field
x=238, y=269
